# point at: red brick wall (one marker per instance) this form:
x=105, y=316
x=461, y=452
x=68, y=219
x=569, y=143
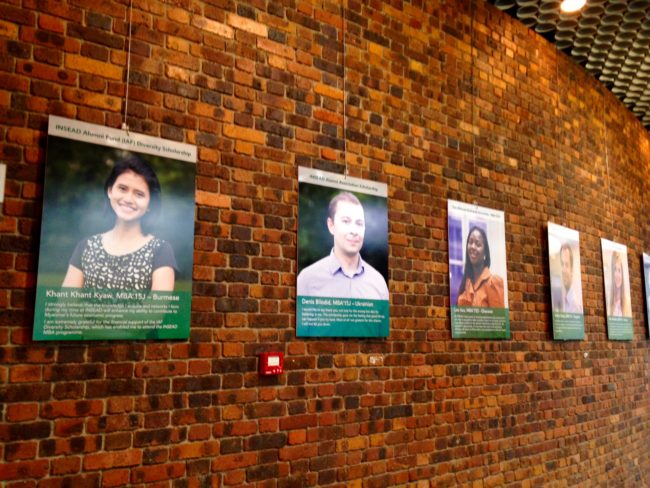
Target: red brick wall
x=257, y=86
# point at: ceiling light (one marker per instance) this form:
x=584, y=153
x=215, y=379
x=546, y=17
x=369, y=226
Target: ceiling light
x=569, y=6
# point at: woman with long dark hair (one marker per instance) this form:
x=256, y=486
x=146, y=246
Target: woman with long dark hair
x=479, y=287
x=126, y=257
x=619, y=301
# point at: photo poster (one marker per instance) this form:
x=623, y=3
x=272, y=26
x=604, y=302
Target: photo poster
x=118, y=228
x=646, y=281
x=477, y=272
x=342, y=266
x=616, y=278
x=566, y=283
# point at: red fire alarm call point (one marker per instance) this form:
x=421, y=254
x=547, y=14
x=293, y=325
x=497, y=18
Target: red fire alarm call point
x=271, y=363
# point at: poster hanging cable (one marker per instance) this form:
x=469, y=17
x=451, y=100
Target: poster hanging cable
x=125, y=125
x=558, y=135
x=472, y=92
x=345, y=139
x=609, y=195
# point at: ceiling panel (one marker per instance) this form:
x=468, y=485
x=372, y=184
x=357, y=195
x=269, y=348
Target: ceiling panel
x=610, y=38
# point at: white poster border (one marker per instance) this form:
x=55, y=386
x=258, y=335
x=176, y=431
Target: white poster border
x=120, y=139
x=492, y=214
x=342, y=182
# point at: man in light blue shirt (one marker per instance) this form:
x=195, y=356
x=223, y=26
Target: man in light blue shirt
x=571, y=300
x=343, y=273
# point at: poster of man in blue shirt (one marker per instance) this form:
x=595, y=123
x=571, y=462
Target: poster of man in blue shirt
x=339, y=292
x=566, y=283
x=343, y=273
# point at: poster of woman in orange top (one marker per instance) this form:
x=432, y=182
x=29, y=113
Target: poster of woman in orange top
x=477, y=272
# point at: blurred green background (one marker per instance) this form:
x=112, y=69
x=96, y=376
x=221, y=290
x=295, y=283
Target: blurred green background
x=74, y=205
x=314, y=239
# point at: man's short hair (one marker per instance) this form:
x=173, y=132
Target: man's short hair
x=344, y=196
x=568, y=248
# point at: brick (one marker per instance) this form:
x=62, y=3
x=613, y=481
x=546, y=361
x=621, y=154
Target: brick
x=71, y=408
x=116, y=477
x=212, y=200
x=66, y=465
x=328, y=91
x=214, y=27
x=116, y=459
x=21, y=374
x=248, y=25
x=150, y=474
x=51, y=23
x=233, y=461
x=161, y=368
x=8, y=29
x=19, y=412
x=195, y=450
x=92, y=99
x=244, y=134
x=91, y=66
x=20, y=470
x=17, y=15
x=20, y=451
x=179, y=15
x=276, y=48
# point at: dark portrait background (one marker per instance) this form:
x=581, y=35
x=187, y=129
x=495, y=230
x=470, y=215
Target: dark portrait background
x=315, y=240
x=74, y=205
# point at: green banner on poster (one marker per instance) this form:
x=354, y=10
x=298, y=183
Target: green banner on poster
x=568, y=326
x=338, y=317
x=619, y=328
x=480, y=323
x=82, y=314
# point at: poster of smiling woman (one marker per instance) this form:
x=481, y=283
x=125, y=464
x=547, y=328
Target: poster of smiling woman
x=617, y=291
x=477, y=272
x=342, y=275
x=117, y=235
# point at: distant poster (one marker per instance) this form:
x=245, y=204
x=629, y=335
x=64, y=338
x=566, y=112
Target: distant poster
x=342, y=282
x=646, y=280
x=566, y=283
x=117, y=235
x=617, y=291
x=477, y=272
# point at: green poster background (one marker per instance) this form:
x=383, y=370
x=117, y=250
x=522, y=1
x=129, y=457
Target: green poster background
x=620, y=328
x=568, y=326
x=84, y=314
x=337, y=317
x=480, y=323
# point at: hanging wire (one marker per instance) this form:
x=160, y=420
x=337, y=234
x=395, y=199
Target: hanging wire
x=125, y=125
x=473, y=88
x=609, y=195
x=558, y=131
x=345, y=139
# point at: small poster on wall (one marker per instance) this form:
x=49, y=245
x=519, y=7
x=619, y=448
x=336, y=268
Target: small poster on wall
x=477, y=272
x=617, y=291
x=566, y=283
x=117, y=236
x=342, y=283
x=646, y=280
